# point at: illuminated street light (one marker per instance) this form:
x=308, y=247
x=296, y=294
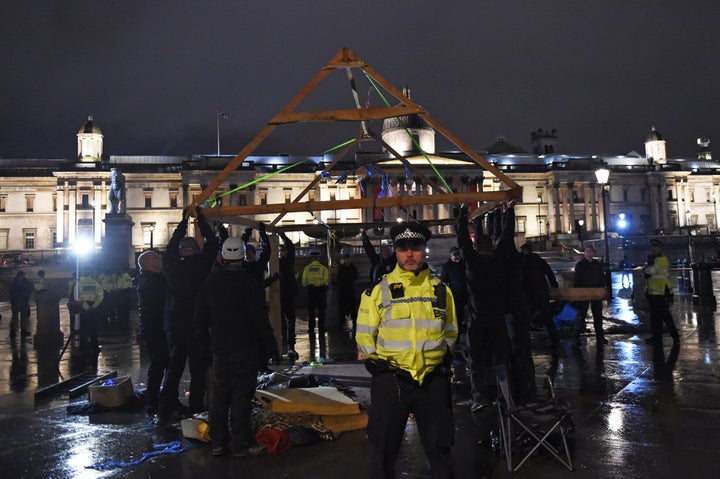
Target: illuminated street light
x=152, y=230
x=602, y=174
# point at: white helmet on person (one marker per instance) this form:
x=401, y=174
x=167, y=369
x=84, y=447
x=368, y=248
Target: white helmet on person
x=233, y=249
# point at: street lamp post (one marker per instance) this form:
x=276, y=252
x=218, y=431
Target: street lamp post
x=152, y=230
x=539, y=221
x=602, y=174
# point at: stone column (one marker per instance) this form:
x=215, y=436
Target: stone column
x=654, y=213
x=555, y=197
x=97, y=213
x=60, y=215
x=72, y=214
x=571, y=205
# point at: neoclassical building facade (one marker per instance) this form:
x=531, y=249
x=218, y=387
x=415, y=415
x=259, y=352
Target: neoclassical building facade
x=47, y=204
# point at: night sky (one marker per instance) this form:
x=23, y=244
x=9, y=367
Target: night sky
x=152, y=72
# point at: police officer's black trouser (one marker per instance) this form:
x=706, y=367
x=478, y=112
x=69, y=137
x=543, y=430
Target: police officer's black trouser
x=234, y=384
x=317, y=304
x=659, y=314
x=392, y=400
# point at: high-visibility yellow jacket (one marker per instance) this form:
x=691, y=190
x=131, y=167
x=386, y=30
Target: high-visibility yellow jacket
x=315, y=274
x=403, y=321
x=90, y=293
x=659, y=276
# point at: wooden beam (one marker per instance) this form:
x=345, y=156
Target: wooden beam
x=395, y=201
x=350, y=114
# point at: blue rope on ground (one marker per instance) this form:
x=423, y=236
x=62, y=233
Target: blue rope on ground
x=173, y=447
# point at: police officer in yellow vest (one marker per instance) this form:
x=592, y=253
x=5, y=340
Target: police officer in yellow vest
x=89, y=299
x=659, y=294
x=315, y=278
x=406, y=327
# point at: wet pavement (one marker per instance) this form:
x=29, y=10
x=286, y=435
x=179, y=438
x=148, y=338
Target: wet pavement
x=636, y=414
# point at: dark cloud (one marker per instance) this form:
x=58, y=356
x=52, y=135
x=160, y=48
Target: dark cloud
x=152, y=73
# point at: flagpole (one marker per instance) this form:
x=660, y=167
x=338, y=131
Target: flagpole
x=217, y=119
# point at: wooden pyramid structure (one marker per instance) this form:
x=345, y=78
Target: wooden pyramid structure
x=346, y=60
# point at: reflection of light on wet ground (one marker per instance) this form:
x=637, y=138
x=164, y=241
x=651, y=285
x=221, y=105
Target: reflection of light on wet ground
x=620, y=307
x=80, y=456
x=628, y=352
x=615, y=420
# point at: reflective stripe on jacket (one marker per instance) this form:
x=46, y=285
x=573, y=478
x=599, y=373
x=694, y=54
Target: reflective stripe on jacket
x=315, y=274
x=659, y=276
x=404, y=322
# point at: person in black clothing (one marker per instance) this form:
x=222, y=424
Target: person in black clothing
x=288, y=291
x=453, y=274
x=186, y=267
x=257, y=265
x=347, y=299
x=151, y=288
x=538, y=278
x=231, y=309
x=487, y=338
x=589, y=273
x=380, y=264
x=21, y=289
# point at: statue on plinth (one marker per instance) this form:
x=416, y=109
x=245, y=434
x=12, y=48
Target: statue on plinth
x=116, y=195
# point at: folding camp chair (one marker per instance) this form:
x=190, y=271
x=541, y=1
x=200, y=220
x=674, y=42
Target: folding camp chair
x=524, y=429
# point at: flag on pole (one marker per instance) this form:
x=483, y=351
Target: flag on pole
x=221, y=114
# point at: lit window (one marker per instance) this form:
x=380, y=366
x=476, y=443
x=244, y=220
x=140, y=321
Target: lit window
x=29, y=203
x=29, y=239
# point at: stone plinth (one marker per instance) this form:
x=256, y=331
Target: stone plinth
x=117, y=250
x=48, y=333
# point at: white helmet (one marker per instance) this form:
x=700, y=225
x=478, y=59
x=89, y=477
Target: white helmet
x=233, y=249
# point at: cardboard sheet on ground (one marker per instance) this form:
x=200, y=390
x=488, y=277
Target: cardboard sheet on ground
x=325, y=401
x=346, y=422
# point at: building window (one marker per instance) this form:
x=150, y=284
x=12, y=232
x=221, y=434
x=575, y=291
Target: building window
x=521, y=220
x=4, y=233
x=29, y=239
x=54, y=202
x=53, y=233
x=3, y=202
x=263, y=197
x=287, y=198
x=173, y=199
x=29, y=203
x=625, y=194
x=148, y=199
x=242, y=199
x=643, y=195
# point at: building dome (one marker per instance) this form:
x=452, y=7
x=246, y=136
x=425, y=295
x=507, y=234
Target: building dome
x=654, y=135
x=404, y=133
x=90, y=127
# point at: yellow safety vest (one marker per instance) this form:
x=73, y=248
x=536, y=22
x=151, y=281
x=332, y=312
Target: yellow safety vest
x=402, y=320
x=90, y=293
x=315, y=274
x=659, y=276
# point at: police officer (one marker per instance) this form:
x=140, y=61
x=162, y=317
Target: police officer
x=406, y=328
x=659, y=294
x=315, y=278
x=89, y=296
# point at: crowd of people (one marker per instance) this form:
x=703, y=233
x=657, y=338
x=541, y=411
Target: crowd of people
x=204, y=304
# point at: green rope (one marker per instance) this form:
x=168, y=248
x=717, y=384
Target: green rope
x=387, y=103
x=345, y=143
x=255, y=181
